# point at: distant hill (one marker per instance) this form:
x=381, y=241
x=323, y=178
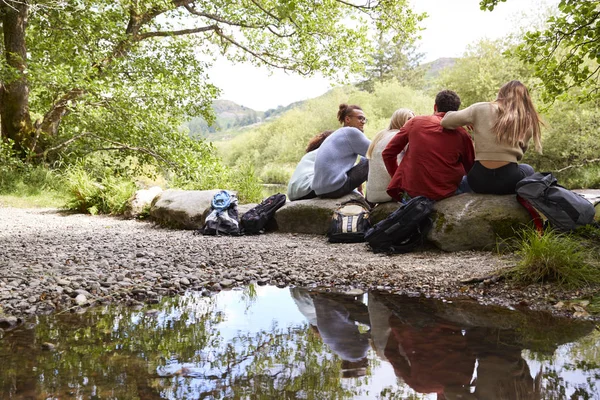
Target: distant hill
x=434, y=68
x=231, y=116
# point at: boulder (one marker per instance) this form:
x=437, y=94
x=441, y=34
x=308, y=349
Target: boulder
x=309, y=216
x=382, y=210
x=475, y=221
x=182, y=209
x=141, y=200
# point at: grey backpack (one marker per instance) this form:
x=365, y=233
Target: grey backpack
x=565, y=210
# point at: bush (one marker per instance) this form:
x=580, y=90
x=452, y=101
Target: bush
x=89, y=194
x=554, y=257
x=23, y=179
x=276, y=173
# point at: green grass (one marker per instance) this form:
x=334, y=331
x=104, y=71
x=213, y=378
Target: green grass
x=49, y=199
x=567, y=260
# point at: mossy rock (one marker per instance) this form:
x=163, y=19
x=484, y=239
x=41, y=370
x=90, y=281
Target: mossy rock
x=475, y=221
x=309, y=216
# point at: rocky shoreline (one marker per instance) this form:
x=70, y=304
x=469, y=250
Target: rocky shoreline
x=51, y=261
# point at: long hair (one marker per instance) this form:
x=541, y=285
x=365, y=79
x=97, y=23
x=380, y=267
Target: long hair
x=517, y=116
x=317, y=140
x=399, y=118
x=344, y=110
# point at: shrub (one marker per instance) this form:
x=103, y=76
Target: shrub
x=89, y=194
x=554, y=257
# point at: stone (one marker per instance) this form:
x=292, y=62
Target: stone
x=382, y=210
x=183, y=209
x=140, y=201
x=81, y=300
x=226, y=283
x=476, y=221
x=8, y=322
x=309, y=216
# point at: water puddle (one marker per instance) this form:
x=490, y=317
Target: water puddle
x=270, y=343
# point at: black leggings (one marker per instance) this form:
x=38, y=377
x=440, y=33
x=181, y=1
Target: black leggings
x=501, y=180
x=356, y=176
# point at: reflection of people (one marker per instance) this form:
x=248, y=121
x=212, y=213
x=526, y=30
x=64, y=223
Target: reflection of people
x=336, y=174
x=336, y=318
x=300, y=185
x=437, y=158
x=379, y=179
x=430, y=359
x=502, y=130
x=502, y=373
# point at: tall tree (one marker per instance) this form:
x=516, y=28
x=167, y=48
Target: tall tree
x=93, y=75
x=566, y=54
x=392, y=58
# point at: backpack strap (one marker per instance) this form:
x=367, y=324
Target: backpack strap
x=535, y=216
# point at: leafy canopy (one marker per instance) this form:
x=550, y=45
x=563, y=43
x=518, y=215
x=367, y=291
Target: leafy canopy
x=566, y=54
x=122, y=76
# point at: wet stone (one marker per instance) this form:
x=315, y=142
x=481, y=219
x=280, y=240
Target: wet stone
x=226, y=283
x=8, y=322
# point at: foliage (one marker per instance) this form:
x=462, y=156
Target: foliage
x=391, y=59
x=482, y=70
x=105, y=195
x=565, y=55
x=554, y=257
x=133, y=65
x=20, y=178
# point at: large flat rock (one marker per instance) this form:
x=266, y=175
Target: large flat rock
x=476, y=221
x=182, y=209
x=309, y=216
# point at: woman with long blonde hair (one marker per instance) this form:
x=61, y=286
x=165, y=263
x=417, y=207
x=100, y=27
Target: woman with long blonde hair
x=502, y=130
x=378, y=178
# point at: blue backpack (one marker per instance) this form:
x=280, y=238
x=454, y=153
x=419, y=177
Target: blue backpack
x=223, y=216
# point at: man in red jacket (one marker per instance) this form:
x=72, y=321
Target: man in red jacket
x=436, y=159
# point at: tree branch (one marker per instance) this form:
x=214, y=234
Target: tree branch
x=123, y=146
x=261, y=57
x=60, y=146
x=146, y=35
x=585, y=162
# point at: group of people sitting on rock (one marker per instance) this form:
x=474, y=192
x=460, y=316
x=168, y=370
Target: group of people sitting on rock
x=429, y=155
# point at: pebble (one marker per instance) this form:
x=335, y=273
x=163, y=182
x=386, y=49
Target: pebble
x=75, y=256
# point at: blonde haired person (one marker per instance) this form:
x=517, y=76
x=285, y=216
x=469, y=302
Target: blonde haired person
x=379, y=178
x=502, y=130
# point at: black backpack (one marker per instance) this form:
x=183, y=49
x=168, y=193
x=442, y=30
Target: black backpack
x=402, y=230
x=223, y=216
x=255, y=220
x=565, y=210
x=349, y=222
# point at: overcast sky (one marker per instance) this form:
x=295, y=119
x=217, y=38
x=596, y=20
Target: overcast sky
x=452, y=25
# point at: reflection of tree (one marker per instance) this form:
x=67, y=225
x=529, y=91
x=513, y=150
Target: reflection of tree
x=176, y=352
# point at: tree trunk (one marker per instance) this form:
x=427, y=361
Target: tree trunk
x=14, y=93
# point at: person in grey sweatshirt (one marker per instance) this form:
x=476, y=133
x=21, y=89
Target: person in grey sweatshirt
x=335, y=171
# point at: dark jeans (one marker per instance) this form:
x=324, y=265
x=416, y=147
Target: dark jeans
x=356, y=176
x=501, y=180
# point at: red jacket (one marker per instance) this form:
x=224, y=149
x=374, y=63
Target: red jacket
x=435, y=161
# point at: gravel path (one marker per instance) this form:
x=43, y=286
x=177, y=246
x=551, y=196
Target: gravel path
x=51, y=261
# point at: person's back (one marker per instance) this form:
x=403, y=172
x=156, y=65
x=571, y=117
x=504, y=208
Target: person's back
x=378, y=178
x=436, y=159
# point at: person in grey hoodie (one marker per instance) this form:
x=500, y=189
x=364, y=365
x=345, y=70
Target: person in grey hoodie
x=335, y=171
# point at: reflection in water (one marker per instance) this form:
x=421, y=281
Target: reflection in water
x=276, y=343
